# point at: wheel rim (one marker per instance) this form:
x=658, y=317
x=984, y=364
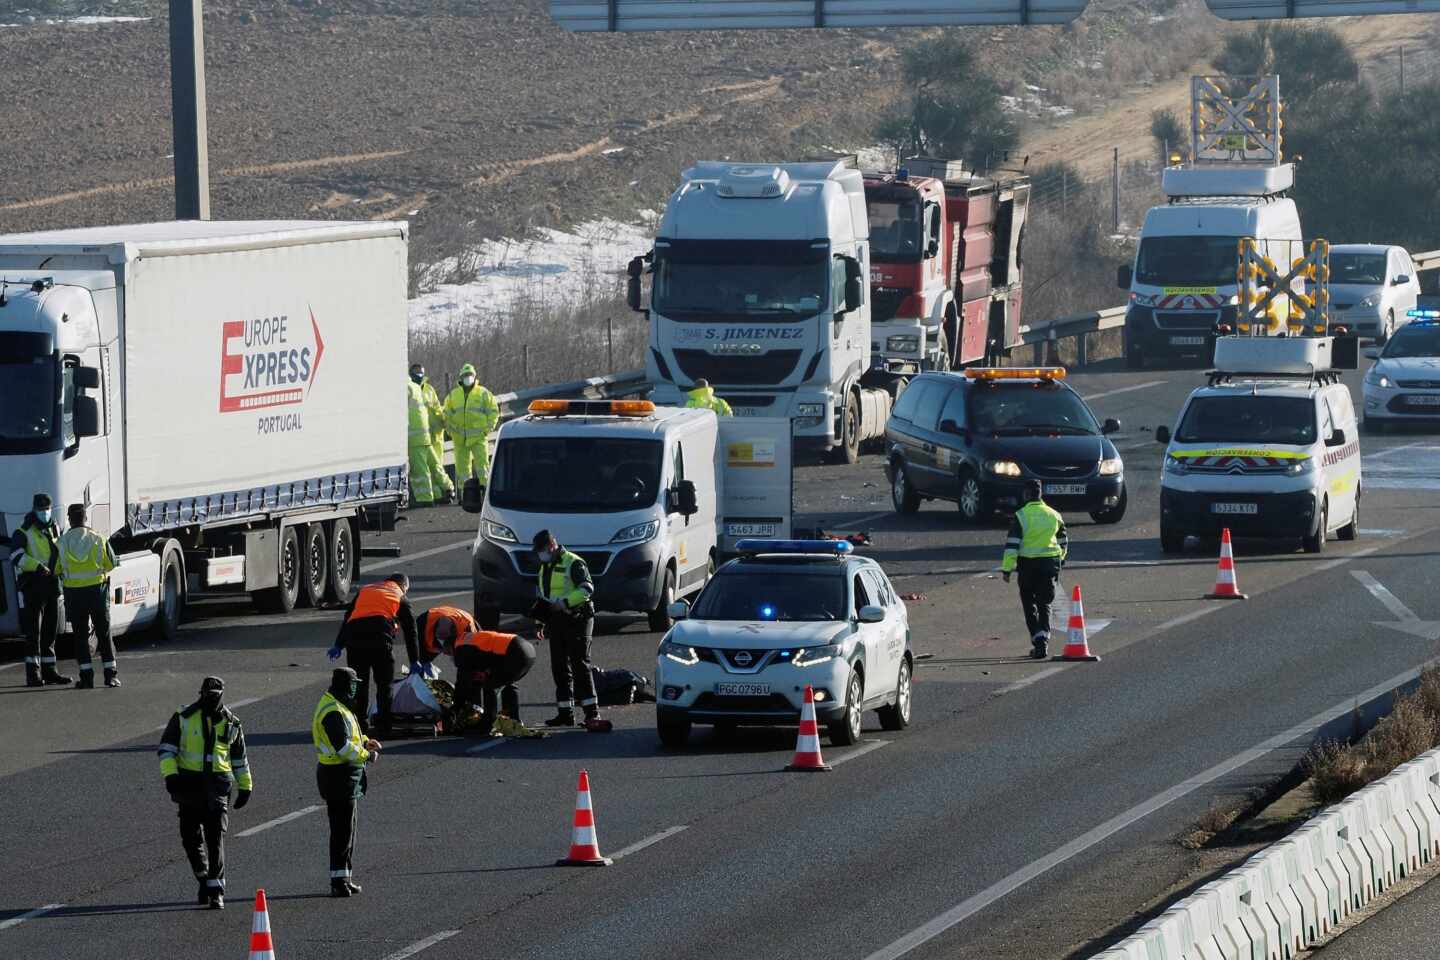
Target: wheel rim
x=902, y=697
x=342, y=557
x=852, y=708
x=317, y=563
x=852, y=421
x=289, y=574
x=970, y=497
x=898, y=487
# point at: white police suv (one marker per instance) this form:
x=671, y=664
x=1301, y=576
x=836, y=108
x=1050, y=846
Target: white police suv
x=785, y=615
x=1404, y=382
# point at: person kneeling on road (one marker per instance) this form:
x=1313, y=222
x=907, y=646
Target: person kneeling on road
x=341, y=753
x=1037, y=545
x=565, y=610
x=488, y=665
x=377, y=613
x=202, y=755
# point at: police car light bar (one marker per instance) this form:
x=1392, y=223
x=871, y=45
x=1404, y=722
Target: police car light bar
x=836, y=548
x=591, y=408
x=1015, y=373
x=1423, y=314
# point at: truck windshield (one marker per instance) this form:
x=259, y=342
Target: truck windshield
x=1187, y=261
x=1046, y=409
x=1366, y=268
x=575, y=474
x=1249, y=419
x=895, y=231
x=753, y=595
x=30, y=411
x=752, y=279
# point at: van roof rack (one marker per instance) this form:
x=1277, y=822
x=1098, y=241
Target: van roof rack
x=1318, y=377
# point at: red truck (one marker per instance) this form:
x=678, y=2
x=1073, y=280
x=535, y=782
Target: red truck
x=945, y=265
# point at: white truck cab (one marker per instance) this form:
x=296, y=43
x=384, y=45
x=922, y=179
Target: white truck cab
x=1269, y=448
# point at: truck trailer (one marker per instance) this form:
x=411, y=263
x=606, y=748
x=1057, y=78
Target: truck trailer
x=215, y=394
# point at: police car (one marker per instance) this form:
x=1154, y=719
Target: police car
x=1269, y=448
x=785, y=615
x=1404, y=382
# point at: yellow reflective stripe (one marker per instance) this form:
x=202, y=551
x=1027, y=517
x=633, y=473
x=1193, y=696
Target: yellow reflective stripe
x=1240, y=452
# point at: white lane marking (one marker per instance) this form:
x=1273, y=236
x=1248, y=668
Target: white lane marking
x=233, y=706
x=441, y=596
x=38, y=911
x=1379, y=592
x=294, y=815
x=1185, y=618
x=490, y=744
x=866, y=746
x=649, y=841
x=1341, y=561
x=1418, y=470
x=973, y=905
x=1389, y=450
x=1110, y=393
x=1380, y=532
x=425, y=944
x=1033, y=678
x=408, y=557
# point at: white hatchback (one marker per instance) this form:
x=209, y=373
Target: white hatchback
x=1373, y=288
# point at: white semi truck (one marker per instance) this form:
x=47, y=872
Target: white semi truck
x=761, y=287
x=223, y=396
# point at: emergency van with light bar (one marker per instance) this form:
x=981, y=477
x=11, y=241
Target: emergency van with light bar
x=651, y=497
x=1268, y=448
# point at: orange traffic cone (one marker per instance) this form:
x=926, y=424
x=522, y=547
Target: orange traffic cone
x=262, y=946
x=584, y=848
x=1077, y=644
x=807, y=744
x=1226, y=587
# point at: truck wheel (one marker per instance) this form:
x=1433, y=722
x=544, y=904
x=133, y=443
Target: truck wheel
x=342, y=563
x=1112, y=514
x=674, y=734
x=1171, y=540
x=282, y=597
x=896, y=716
x=902, y=494
x=973, y=503
x=942, y=360
x=314, y=565
x=660, y=620
x=846, y=730
x=172, y=599
x=849, y=449
x=1315, y=542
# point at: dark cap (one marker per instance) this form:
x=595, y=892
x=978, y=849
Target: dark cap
x=41, y=501
x=542, y=540
x=1033, y=490
x=342, y=677
x=400, y=580
x=212, y=684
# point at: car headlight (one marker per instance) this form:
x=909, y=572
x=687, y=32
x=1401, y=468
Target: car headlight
x=497, y=532
x=813, y=656
x=680, y=653
x=636, y=532
x=1143, y=300
x=1377, y=379
x=1371, y=301
x=1174, y=465
x=1003, y=468
x=1110, y=466
x=810, y=409
x=1296, y=468
x=903, y=343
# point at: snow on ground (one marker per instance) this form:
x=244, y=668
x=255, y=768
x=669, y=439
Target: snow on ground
x=77, y=21
x=556, y=269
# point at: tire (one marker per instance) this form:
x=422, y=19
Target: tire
x=166, y=627
x=341, y=579
x=314, y=565
x=1112, y=514
x=973, y=504
x=846, y=730
x=1351, y=530
x=849, y=449
x=660, y=619
x=896, y=716
x=674, y=734
x=1315, y=542
x=942, y=364
x=282, y=597
x=1387, y=330
x=902, y=494
x=1171, y=540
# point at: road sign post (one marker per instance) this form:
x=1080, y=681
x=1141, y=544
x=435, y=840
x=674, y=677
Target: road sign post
x=187, y=110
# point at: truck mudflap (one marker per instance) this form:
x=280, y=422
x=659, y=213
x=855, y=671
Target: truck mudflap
x=758, y=480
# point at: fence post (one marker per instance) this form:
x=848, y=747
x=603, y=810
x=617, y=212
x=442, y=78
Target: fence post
x=525, y=363
x=1402, y=70
x=1115, y=189
x=1081, y=355
x=609, y=344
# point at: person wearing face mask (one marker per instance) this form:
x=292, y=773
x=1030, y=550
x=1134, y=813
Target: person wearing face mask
x=378, y=613
x=34, y=551
x=202, y=756
x=471, y=413
x=565, y=610
x=428, y=480
x=341, y=752
x=434, y=410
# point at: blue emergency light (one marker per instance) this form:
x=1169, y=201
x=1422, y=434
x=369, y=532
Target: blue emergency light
x=1431, y=315
x=836, y=548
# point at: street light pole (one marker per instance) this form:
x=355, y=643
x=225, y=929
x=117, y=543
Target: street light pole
x=187, y=110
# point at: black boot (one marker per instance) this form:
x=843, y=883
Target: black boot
x=339, y=888
x=52, y=677
x=355, y=888
x=32, y=676
x=565, y=718
x=86, y=681
x=510, y=703
x=203, y=896
x=112, y=678
x=217, y=901
x=1039, y=647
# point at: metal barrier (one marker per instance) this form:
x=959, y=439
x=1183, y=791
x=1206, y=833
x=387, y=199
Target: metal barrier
x=1042, y=335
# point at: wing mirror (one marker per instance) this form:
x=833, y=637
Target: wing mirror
x=1373, y=353
x=683, y=499
x=87, y=378
x=636, y=270
x=1124, y=276
x=1162, y=434
x=87, y=417
x=1400, y=280
x=1336, y=439
x=678, y=610
x=472, y=496
x=872, y=614
x=1111, y=425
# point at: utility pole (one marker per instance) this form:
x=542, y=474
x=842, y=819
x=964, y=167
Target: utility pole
x=1402, y=71
x=1115, y=190
x=187, y=110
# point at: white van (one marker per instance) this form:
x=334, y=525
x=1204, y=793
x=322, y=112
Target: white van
x=1270, y=448
x=648, y=496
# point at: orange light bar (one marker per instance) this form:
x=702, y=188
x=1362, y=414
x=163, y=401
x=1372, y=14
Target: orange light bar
x=1015, y=373
x=632, y=408
x=552, y=407
x=592, y=408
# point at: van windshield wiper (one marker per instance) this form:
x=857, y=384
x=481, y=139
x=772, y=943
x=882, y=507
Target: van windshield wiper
x=1057, y=428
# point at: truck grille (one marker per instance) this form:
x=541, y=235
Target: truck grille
x=772, y=367
x=1186, y=319
x=1062, y=471
x=596, y=560
x=1419, y=384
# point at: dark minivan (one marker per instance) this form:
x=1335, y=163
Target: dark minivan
x=976, y=437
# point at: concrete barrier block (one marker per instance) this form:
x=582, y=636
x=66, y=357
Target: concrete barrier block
x=1313, y=906
x=1162, y=939
x=1240, y=945
x=1208, y=949
x=1264, y=946
x=1256, y=894
x=1320, y=844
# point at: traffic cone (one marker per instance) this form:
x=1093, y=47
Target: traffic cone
x=1077, y=644
x=807, y=744
x=1226, y=587
x=262, y=946
x=584, y=848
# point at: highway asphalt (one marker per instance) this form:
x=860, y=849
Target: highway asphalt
x=1029, y=808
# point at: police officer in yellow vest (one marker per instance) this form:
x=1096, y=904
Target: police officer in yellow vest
x=341, y=752
x=35, y=553
x=202, y=756
x=470, y=414
x=428, y=480
x=1036, y=546
x=702, y=395
x=85, y=564
x=565, y=610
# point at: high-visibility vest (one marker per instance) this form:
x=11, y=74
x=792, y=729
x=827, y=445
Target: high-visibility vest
x=555, y=582
x=419, y=414
x=378, y=600
x=1042, y=532
x=41, y=548
x=353, y=752
x=486, y=641
x=85, y=558
x=464, y=623
x=471, y=414
x=705, y=399
x=432, y=407
x=205, y=746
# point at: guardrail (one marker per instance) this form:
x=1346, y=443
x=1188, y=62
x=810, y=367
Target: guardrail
x=1042, y=335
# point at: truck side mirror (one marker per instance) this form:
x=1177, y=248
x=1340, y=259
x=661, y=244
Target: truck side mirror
x=87, y=417
x=1124, y=276
x=684, y=500
x=1111, y=425
x=1162, y=434
x=636, y=270
x=87, y=378
x=854, y=285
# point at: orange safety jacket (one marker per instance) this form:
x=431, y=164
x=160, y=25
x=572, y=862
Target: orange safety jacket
x=486, y=641
x=464, y=623
x=378, y=600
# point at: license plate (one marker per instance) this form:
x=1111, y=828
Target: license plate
x=1187, y=341
x=750, y=529
x=747, y=411
x=1247, y=508
x=1066, y=489
x=742, y=689
x=1423, y=401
